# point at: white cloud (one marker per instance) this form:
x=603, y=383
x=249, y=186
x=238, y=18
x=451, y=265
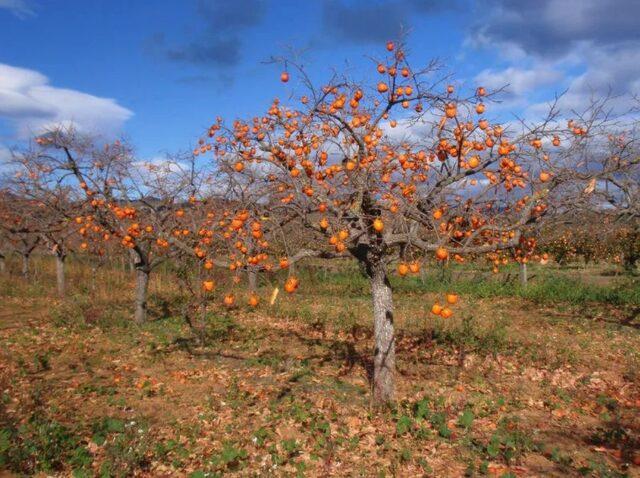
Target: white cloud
x=519, y=80
x=158, y=165
x=31, y=105
x=5, y=154
x=411, y=131
x=588, y=47
x=20, y=8
x=613, y=73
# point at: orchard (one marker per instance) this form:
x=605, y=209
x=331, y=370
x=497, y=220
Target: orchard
x=377, y=261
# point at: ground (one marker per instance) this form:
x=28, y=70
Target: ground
x=537, y=382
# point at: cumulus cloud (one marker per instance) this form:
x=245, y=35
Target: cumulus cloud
x=554, y=27
x=5, y=154
x=518, y=81
x=159, y=165
x=589, y=47
x=30, y=104
x=20, y=8
x=413, y=132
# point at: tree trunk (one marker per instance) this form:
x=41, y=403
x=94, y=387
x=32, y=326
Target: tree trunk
x=629, y=263
x=60, y=279
x=3, y=265
x=133, y=259
x=25, y=265
x=384, y=362
x=94, y=273
x=523, y=274
x=142, y=286
x=631, y=256
x=252, y=276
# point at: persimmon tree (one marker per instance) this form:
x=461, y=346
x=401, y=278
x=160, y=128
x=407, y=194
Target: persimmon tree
x=228, y=226
x=600, y=211
x=19, y=226
x=55, y=206
x=395, y=170
x=124, y=199
x=572, y=236
x=616, y=194
x=3, y=252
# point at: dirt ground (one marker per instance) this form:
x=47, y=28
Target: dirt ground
x=506, y=388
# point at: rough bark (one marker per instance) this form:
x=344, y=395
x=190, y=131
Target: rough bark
x=524, y=278
x=252, y=277
x=60, y=276
x=142, y=287
x=384, y=362
x=25, y=265
x=133, y=261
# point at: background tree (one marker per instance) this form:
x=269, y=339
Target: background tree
x=609, y=201
x=125, y=199
x=18, y=220
x=56, y=217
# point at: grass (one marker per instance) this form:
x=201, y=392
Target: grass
x=544, y=287
x=539, y=381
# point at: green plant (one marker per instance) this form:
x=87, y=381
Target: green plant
x=42, y=445
x=127, y=446
x=508, y=442
x=231, y=457
x=466, y=419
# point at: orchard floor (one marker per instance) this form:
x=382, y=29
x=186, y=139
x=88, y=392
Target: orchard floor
x=507, y=387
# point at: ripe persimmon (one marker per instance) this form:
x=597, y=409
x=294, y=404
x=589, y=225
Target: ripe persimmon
x=450, y=110
x=291, y=284
x=229, y=300
x=403, y=269
x=442, y=254
x=208, y=285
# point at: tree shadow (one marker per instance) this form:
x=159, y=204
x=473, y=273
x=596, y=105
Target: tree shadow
x=335, y=351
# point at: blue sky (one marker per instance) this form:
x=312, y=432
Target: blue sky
x=158, y=72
